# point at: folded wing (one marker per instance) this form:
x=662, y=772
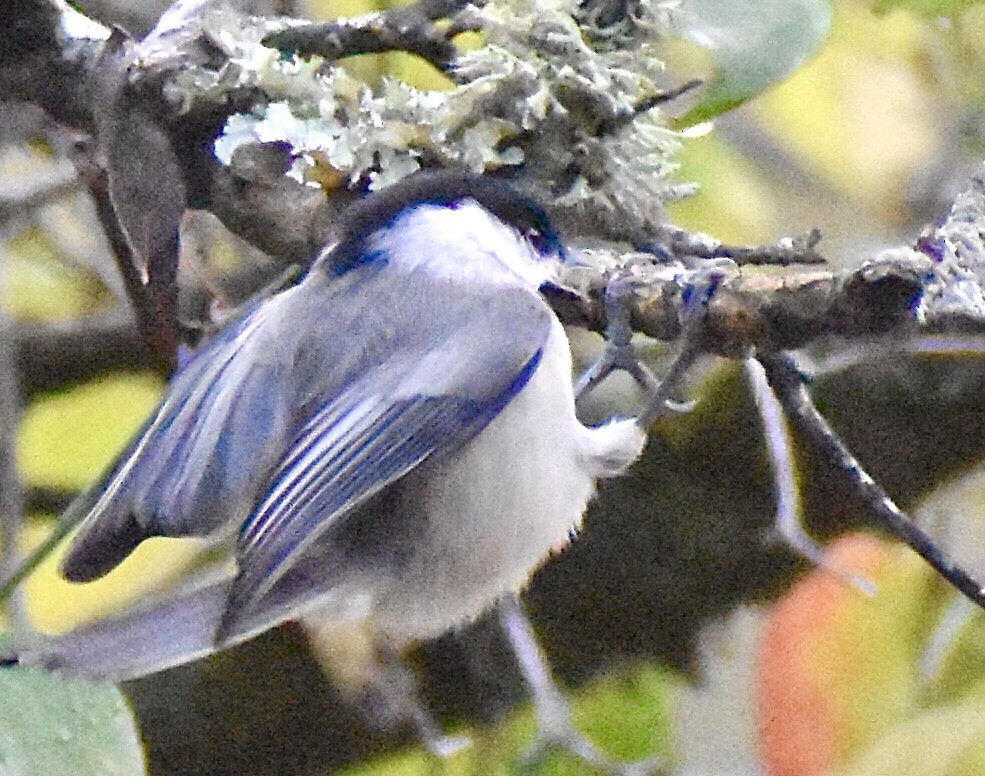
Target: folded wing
x=296, y=416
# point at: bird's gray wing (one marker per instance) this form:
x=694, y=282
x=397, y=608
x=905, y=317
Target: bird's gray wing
x=220, y=427
x=306, y=408
x=480, y=350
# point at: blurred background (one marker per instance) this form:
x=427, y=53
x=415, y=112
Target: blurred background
x=677, y=619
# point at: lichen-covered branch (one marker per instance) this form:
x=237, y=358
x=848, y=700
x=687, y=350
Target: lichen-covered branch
x=765, y=309
x=270, y=144
x=410, y=29
x=953, y=297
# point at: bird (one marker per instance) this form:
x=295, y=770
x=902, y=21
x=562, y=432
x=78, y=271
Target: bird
x=392, y=440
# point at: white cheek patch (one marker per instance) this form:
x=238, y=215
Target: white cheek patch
x=464, y=243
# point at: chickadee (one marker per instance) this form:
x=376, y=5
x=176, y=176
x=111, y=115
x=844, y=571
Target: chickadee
x=394, y=440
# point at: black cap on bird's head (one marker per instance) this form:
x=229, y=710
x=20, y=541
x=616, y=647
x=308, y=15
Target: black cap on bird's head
x=442, y=188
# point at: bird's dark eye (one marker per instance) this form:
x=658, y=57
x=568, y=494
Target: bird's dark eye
x=536, y=238
x=544, y=242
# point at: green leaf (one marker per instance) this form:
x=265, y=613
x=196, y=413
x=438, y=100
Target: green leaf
x=59, y=728
x=755, y=44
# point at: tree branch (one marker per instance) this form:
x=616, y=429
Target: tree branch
x=11, y=490
x=409, y=29
x=937, y=286
x=51, y=357
x=751, y=309
x=785, y=379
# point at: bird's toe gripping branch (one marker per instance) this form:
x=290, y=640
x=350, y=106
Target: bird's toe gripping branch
x=697, y=291
x=781, y=397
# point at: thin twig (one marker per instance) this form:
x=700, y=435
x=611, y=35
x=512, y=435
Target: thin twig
x=680, y=245
x=789, y=518
x=624, y=119
x=71, y=517
x=785, y=379
x=410, y=29
x=11, y=489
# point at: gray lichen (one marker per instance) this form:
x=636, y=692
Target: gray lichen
x=956, y=289
x=542, y=94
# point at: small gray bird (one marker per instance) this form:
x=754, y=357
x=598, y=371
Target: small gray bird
x=394, y=439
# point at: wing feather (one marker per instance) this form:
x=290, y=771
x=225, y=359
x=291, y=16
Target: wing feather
x=339, y=461
x=283, y=436
x=179, y=478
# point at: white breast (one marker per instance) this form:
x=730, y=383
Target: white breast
x=513, y=496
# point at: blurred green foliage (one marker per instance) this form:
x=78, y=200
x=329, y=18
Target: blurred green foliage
x=627, y=714
x=865, y=140
x=59, y=728
x=38, y=285
x=754, y=44
x=67, y=439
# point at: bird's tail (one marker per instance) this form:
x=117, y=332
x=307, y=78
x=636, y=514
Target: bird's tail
x=180, y=626
x=167, y=631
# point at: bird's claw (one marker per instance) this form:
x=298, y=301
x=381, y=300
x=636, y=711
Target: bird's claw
x=556, y=731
